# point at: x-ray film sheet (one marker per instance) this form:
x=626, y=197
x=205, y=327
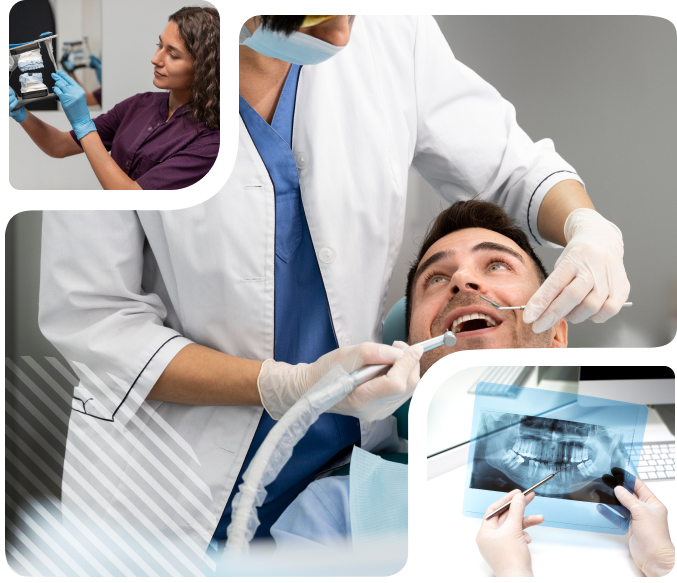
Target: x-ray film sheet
x=518, y=441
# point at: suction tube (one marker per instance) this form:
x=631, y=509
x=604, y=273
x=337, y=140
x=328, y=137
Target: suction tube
x=279, y=444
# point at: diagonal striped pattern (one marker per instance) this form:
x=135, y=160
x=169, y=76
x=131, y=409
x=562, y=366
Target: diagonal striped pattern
x=107, y=526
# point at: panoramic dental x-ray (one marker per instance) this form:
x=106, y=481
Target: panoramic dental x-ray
x=520, y=439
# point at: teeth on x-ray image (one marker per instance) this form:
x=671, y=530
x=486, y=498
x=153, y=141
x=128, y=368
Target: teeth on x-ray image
x=521, y=450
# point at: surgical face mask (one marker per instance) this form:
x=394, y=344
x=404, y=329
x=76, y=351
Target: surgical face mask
x=297, y=48
x=30, y=60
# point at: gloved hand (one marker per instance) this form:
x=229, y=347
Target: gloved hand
x=73, y=99
x=20, y=114
x=650, y=544
x=502, y=540
x=589, y=279
x=281, y=384
x=68, y=63
x=95, y=63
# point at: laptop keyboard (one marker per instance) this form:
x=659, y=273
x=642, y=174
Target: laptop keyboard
x=657, y=461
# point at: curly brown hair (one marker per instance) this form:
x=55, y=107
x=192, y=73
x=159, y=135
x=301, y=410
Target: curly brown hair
x=200, y=30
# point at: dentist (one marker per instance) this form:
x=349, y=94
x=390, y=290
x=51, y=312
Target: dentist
x=373, y=95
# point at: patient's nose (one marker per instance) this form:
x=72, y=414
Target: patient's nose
x=467, y=286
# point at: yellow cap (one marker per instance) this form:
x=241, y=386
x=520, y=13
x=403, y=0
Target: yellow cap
x=313, y=20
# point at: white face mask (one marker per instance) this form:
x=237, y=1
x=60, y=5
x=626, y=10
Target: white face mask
x=297, y=48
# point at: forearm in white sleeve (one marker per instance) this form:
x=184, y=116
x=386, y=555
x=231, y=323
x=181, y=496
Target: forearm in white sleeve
x=468, y=141
x=94, y=311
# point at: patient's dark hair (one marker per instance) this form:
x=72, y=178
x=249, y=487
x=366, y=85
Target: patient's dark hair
x=283, y=24
x=471, y=214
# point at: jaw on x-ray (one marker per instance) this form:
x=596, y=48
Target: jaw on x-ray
x=527, y=449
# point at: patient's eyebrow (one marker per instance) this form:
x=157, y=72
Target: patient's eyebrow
x=483, y=246
x=170, y=46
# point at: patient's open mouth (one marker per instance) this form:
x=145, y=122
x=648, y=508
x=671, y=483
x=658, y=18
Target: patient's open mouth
x=472, y=322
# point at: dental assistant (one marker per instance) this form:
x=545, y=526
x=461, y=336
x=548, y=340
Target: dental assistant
x=375, y=95
x=158, y=140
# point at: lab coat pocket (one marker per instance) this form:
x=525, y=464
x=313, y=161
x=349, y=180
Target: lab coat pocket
x=288, y=225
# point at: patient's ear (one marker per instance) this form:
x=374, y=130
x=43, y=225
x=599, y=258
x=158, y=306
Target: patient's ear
x=559, y=340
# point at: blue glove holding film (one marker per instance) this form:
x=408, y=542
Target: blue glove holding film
x=95, y=63
x=73, y=99
x=18, y=115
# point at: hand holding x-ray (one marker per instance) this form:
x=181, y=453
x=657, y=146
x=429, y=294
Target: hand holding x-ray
x=650, y=544
x=502, y=539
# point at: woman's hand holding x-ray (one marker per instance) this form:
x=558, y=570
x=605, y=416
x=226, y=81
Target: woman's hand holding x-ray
x=281, y=384
x=502, y=540
x=589, y=279
x=650, y=544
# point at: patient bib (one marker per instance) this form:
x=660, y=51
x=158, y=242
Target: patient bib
x=378, y=498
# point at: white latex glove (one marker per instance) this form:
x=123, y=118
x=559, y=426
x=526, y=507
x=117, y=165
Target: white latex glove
x=502, y=540
x=281, y=384
x=589, y=279
x=650, y=544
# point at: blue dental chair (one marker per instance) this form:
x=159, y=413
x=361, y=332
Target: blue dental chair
x=394, y=328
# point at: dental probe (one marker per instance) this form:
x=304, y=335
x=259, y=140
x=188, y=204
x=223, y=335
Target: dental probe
x=502, y=508
x=625, y=305
x=371, y=371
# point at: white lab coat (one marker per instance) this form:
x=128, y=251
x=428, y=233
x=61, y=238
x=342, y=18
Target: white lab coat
x=123, y=292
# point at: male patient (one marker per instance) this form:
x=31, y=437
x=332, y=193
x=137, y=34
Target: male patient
x=473, y=248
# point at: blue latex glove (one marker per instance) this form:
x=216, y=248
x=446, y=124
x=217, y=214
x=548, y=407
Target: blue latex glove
x=20, y=114
x=73, y=99
x=68, y=63
x=95, y=63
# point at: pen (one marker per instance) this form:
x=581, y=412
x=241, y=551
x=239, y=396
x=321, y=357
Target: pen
x=543, y=481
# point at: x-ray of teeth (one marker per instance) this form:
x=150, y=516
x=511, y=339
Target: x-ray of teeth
x=521, y=450
x=515, y=443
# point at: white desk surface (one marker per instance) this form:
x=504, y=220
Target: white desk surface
x=554, y=552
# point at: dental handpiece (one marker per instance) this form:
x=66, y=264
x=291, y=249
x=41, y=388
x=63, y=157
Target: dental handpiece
x=625, y=305
x=527, y=491
x=371, y=371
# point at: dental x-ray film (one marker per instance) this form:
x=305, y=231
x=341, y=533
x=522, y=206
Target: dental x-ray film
x=517, y=442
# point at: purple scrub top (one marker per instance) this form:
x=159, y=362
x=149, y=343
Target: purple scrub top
x=157, y=154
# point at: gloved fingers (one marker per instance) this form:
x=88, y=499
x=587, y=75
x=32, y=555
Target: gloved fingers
x=527, y=537
x=611, y=516
x=516, y=511
x=62, y=80
x=619, y=290
x=562, y=276
x=630, y=501
x=644, y=494
x=407, y=364
x=373, y=353
x=401, y=345
x=57, y=92
x=12, y=93
x=590, y=306
x=498, y=504
x=570, y=297
x=532, y=520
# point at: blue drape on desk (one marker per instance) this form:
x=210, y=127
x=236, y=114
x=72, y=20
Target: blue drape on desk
x=303, y=327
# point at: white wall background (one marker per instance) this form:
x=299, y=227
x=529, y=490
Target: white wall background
x=124, y=33
x=604, y=89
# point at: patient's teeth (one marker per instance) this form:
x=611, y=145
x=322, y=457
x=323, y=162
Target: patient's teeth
x=532, y=468
x=584, y=455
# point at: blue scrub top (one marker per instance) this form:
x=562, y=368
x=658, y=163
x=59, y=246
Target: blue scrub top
x=303, y=326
